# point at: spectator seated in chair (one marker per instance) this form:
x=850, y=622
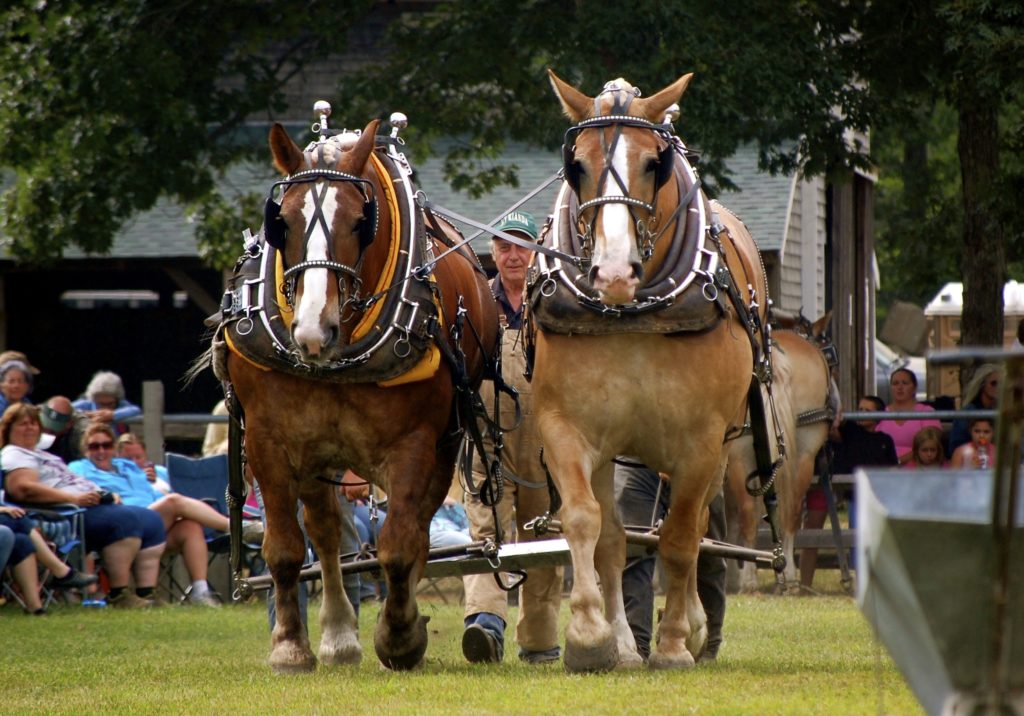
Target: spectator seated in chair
x=183, y=518
x=131, y=447
x=16, y=379
x=129, y=539
x=62, y=428
x=30, y=550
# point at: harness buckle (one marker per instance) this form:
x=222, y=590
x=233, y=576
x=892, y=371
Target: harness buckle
x=540, y=525
x=489, y=550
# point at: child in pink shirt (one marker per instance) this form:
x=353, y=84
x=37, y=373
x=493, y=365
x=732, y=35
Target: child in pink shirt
x=979, y=453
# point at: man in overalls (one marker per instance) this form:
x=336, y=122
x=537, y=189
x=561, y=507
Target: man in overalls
x=541, y=594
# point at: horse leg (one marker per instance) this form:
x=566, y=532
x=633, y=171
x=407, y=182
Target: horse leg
x=733, y=511
x=682, y=632
x=749, y=583
x=802, y=475
x=744, y=512
x=339, y=636
x=415, y=492
x=610, y=560
x=590, y=643
x=284, y=549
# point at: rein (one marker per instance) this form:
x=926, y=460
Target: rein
x=424, y=202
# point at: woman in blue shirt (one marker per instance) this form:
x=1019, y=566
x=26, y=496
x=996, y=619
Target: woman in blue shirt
x=184, y=517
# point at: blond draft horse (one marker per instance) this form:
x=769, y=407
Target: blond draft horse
x=667, y=399
x=297, y=429
x=807, y=404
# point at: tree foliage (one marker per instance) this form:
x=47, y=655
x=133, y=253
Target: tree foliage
x=477, y=71
x=922, y=60
x=104, y=107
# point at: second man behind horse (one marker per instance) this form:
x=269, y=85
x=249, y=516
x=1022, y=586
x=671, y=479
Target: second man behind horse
x=541, y=593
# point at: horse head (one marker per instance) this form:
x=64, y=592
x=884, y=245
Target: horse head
x=326, y=221
x=617, y=158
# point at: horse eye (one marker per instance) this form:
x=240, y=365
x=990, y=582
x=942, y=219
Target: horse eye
x=652, y=164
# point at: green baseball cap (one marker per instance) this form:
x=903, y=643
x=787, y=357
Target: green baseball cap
x=520, y=221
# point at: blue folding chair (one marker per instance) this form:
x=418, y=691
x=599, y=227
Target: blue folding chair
x=63, y=525
x=206, y=479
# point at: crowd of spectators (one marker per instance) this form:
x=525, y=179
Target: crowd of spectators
x=63, y=453
x=82, y=452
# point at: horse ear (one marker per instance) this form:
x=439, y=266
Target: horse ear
x=819, y=327
x=354, y=160
x=576, y=105
x=654, y=107
x=287, y=155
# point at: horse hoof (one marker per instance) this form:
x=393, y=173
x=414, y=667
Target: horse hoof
x=603, y=656
x=664, y=662
x=347, y=654
x=401, y=649
x=629, y=661
x=698, y=639
x=290, y=659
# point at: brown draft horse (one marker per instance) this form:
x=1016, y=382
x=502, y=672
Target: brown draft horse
x=403, y=438
x=668, y=399
x=807, y=405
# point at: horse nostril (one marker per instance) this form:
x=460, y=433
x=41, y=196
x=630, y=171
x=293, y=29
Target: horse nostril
x=638, y=270
x=332, y=336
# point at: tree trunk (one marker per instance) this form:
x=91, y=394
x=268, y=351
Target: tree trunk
x=984, y=258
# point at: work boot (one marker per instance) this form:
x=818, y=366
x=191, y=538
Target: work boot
x=711, y=648
x=128, y=599
x=483, y=641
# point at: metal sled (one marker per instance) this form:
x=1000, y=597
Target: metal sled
x=941, y=573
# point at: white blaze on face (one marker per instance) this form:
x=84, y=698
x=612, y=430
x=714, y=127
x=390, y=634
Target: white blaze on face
x=613, y=246
x=314, y=280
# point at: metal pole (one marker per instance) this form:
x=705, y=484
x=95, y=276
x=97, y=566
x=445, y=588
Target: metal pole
x=1005, y=494
x=474, y=551
x=153, y=419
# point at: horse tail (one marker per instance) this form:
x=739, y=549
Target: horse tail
x=203, y=361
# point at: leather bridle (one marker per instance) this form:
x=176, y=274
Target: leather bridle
x=618, y=118
x=276, y=231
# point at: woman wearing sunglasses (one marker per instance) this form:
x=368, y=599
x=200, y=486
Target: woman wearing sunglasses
x=129, y=539
x=183, y=517
x=981, y=393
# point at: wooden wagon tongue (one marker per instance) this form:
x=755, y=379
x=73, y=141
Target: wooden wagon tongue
x=940, y=564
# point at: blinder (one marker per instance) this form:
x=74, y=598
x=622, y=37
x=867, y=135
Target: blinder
x=571, y=167
x=666, y=163
x=368, y=224
x=274, y=228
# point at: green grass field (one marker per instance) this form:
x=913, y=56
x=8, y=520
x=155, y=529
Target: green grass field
x=782, y=655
